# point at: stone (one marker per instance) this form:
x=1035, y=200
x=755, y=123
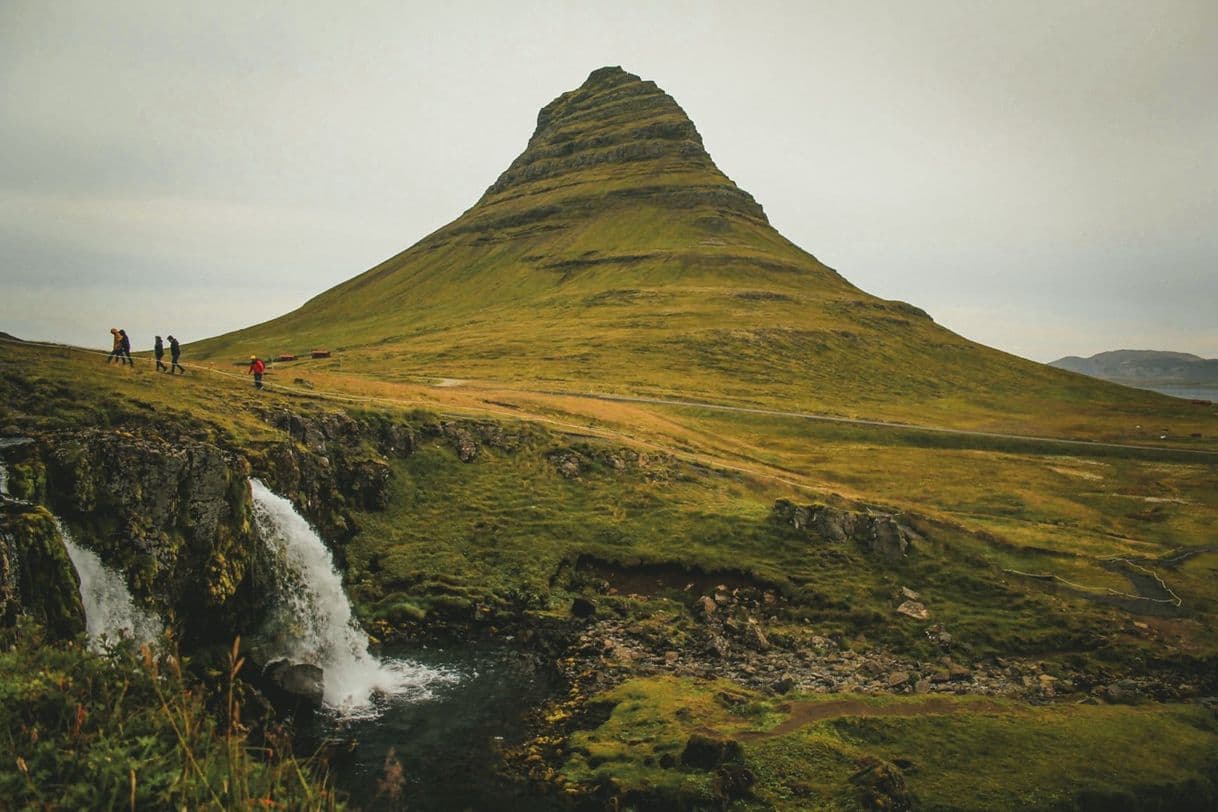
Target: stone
x=733, y=781
x=754, y=637
x=784, y=684
x=708, y=606
x=296, y=682
x=881, y=785
x=897, y=679
x=914, y=609
x=718, y=646
x=959, y=673
x=708, y=752
x=922, y=686
x=1123, y=692
x=671, y=657
x=909, y=594
x=582, y=607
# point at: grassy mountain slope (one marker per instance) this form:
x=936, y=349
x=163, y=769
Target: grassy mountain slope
x=614, y=255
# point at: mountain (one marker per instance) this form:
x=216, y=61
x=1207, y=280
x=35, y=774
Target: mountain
x=614, y=255
x=1143, y=367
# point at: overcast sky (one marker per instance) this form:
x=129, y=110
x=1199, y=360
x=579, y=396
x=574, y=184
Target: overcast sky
x=1039, y=176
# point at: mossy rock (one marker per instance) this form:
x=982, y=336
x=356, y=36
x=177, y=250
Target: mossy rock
x=41, y=581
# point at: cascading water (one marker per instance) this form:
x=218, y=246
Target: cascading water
x=312, y=623
x=110, y=612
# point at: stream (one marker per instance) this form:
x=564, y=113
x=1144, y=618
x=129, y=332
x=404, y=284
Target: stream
x=449, y=742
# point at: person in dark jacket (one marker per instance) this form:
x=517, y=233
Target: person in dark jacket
x=124, y=349
x=175, y=352
x=256, y=369
x=116, y=352
x=159, y=351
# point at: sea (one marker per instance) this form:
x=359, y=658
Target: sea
x=1209, y=393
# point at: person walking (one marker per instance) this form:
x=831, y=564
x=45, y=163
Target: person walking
x=175, y=352
x=256, y=369
x=124, y=348
x=159, y=351
x=117, y=350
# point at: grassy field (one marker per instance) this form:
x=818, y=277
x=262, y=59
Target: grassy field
x=695, y=488
x=954, y=753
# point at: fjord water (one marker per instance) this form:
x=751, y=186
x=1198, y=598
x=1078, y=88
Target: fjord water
x=1209, y=393
x=311, y=620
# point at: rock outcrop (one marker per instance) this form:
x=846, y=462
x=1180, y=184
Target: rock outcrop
x=37, y=579
x=883, y=535
x=618, y=125
x=174, y=517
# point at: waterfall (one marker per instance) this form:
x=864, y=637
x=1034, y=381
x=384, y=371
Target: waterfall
x=110, y=611
x=311, y=621
x=8, y=442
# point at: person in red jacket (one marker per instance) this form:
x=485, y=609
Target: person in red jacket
x=256, y=369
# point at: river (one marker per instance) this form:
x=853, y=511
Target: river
x=449, y=743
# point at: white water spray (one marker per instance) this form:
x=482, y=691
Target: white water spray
x=110, y=612
x=312, y=621
x=7, y=442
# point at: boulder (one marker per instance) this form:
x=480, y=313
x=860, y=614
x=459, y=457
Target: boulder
x=294, y=684
x=583, y=607
x=733, y=781
x=914, y=609
x=880, y=534
x=1123, y=692
x=706, y=752
x=897, y=679
x=754, y=637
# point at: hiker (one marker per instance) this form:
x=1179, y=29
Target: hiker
x=159, y=351
x=116, y=354
x=124, y=349
x=175, y=352
x=256, y=369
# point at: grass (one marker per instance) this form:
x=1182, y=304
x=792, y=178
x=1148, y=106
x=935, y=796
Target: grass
x=498, y=530
x=955, y=752
x=128, y=730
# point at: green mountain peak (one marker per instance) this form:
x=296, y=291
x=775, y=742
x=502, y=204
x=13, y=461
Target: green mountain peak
x=613, y=254
x=618, y=128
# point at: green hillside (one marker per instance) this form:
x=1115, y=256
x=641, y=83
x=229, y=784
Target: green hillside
x=613, y=255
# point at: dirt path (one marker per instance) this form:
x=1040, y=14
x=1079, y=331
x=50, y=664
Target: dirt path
x=854, y=421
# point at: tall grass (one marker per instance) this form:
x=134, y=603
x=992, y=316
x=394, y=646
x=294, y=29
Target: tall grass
x=136, y=730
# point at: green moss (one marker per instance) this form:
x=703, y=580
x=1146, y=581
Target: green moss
x=950, y=752
x=46, y=580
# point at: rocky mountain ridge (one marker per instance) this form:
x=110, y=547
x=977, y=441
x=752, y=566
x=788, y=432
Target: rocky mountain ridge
x=1142, y=367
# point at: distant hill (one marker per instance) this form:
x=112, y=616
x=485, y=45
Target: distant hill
x=1145, y=367
x=614, y=255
